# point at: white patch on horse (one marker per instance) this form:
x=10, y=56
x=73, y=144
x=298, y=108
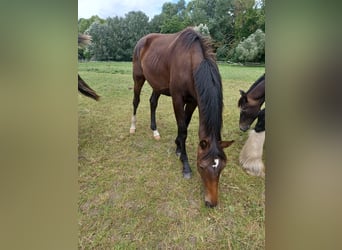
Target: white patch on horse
x=133, y=121
x=156, y=135
x=217, y=161
x=251, y=154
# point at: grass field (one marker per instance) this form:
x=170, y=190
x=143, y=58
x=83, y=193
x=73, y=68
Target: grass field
x=132, y=193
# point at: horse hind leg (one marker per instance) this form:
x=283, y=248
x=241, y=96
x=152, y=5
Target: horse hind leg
x=153, y=105
x=138, y=84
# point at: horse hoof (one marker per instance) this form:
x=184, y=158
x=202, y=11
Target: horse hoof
x=132, y=131
x=156, y=135
x=187, y=176
x=209, y=205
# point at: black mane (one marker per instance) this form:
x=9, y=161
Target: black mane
x=209, y=90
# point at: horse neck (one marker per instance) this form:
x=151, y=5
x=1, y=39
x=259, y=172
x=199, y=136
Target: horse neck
x=211, y=134
x=205, y=133
x=209, y=97
x=257, y=89
x=213, y=138
x=258, y=92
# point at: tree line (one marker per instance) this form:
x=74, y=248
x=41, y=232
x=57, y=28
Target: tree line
x=236, y=27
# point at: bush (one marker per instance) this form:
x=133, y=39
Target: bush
x=202, y=29
x=222, y=53
x=251, y=49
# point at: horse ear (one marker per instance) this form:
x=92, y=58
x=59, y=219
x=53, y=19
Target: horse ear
x=226, y=144
x=203, y=144
x=242, y=93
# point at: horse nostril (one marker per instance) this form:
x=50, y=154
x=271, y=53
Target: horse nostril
x=208, y=204
x=244, y=129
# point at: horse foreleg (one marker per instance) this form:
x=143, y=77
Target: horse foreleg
x=178, y=106
x=153, y=105
x=251, y=154
x=138, y=83
x=189, y=110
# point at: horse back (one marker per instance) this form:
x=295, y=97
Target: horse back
x=150, y=59
x=165, y=63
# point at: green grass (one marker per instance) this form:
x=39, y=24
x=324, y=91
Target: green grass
x=132, y=193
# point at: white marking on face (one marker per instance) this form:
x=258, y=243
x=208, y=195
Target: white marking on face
x=217, y=161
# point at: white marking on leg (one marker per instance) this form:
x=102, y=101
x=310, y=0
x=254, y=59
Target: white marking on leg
x=251, y=154
x=216, y=163
x=133, y=121
x=156, y=134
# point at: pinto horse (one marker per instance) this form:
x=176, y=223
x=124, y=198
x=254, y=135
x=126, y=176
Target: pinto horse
x=251, y=154
x=250, y=103
x=182, y=66
x=83, y=87
x=250, y=108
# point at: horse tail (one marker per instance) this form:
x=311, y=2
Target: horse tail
x=84, y=40
x=86, y=90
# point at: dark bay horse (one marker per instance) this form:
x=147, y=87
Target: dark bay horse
x=182, y=66
x=250, y=108
x=250, y=103
x=83, y=87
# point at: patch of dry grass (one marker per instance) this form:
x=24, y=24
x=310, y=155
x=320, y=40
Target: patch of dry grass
x=132, y=194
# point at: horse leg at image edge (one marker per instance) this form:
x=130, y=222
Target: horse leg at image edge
x=138, y=84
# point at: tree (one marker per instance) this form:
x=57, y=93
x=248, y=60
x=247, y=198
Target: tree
x=173, y=17
x=202, y=29
x=156, y=23
x=83, y=28
x=228, y=22
x=200, y=11
x=116, y=38
x=84, y=24
x=251, y=49
x=248, y=18
x=134, y=26
x=221, y=27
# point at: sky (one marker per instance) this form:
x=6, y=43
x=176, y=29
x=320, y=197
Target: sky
x=112, y=8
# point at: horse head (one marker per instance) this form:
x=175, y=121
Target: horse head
x=249, y=110
x=211, y=160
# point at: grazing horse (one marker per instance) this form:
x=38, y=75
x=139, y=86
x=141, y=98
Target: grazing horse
x=250, y=104
x=84, y=88
x=182, y=66
x=251, y=154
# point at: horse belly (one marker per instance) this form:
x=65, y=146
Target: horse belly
x=158, y=80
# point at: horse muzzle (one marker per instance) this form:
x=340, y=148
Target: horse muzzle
x=210, y=205
x=211, y=196
x=244, y=128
